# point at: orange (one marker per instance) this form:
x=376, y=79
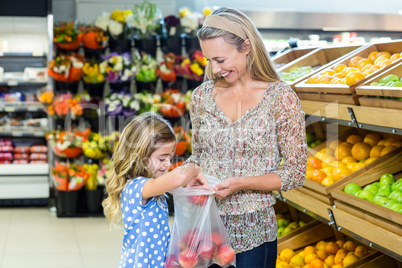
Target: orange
x=322, y=255
x=385, y=63
x=337, y=164
x=309, y=174
x=286, y=254
x=328, y=72
x=380, y=59
x=301, y=253
x=354, y=77
x=316, y=263
x=309, y=250
x=363, y=62
x=336, y=80
x=321, y=245
x=319, y=155
x=372, y=139
x=283, y=264
x=356, y=166
x=373, y=55
x=339, y=68
x=329, y=261
x=354, y=61
x=339, y=256
x=337, y=266
x=349, y=70
x=327, y=160
x=374, y=68
x=328, y=170
x=343, y=151
x=361, y=151
x=349, y=259
x=376, y=150
x=340, y=173
x=347, y=160
x=324, y=79
x=349, y=245
x=314, y=162
x=397, y=144
x=366, y=67
x=381, y=142
x=310, y=257
x=328, y=180
x=361, y=251
x=334, y=144
x=390, y=141
x=332, y=247
x=371, y=159
x=395, y=56
x=339, y=75
x=388, y=149
x=318, y=175
x=310, y=80
x=354, y=139
x=296, y=261
x=384, y=53
x=340, y=243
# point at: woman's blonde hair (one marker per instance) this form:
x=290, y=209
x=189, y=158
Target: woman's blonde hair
x=259, y=65
x=140, y=138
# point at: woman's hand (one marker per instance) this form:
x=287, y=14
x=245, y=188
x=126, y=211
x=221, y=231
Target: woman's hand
x=198, y=180
x=227, y=187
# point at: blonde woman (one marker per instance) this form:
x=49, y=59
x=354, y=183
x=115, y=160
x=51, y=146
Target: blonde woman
x=136, y=186
x=245, y=120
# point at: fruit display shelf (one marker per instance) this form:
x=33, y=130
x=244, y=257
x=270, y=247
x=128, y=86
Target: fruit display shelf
x=371, y=212
x=291, y=55
x=334, y=91
x=318, y=60
x=367, y=92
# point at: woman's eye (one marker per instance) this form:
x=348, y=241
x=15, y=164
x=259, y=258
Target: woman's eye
x=220, y=61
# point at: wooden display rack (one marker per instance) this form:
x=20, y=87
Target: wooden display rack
x=365, y=90
x=291, y=55
x=319, y=60
x=338, y=89
x=381, y=261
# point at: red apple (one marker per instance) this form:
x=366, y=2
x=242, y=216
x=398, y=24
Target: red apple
x=225, y=255
x=216, y=238
x=191, y=239
x=188, y=258
x=207, y=249
x=171, y=262
x=199, y=200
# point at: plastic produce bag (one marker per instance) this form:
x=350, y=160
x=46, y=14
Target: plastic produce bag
x=198, y=237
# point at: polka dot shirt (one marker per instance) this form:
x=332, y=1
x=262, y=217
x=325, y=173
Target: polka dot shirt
x=146, y=227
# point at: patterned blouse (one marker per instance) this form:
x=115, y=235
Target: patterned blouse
x=251, y=146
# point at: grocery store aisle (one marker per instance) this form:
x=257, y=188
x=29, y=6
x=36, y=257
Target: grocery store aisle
x=36, y=238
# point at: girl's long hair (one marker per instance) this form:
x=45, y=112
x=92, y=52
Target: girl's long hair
x=259, y=64
x=139, y=139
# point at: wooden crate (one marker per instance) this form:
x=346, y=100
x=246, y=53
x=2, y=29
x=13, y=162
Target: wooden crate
x=391, y=47
x=366, y=210
x=380, y=262
x=319, y=60
x=365, y=90
x=344, y=99
x=291, y=55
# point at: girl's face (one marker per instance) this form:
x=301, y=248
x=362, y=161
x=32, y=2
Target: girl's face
x=225, y=59
x=159, y=161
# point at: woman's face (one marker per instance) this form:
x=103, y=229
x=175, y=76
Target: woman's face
x=159, y=161
x=225, y=59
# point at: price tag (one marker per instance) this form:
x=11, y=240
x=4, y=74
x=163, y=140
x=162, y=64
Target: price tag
x=37, y=54
x=9, y=109
x=32, y=108
x=38, y=134
x=12, y=83
x=17, y=133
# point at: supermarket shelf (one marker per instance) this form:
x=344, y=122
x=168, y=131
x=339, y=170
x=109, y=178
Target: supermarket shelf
x=15, y=83
x=35, y=134
x=24, y=169
x=21, y=107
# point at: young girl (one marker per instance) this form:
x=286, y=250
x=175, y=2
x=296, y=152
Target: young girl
x=136, y=186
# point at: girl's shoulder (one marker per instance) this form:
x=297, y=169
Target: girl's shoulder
x=135, y=182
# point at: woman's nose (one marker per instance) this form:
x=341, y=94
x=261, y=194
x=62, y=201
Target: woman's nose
x=215, y=67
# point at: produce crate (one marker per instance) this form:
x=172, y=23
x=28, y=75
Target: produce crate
x=381, y=261
x=366, y=90
x=290, y=55
x=379, y=166
x=378, y=215
x=391, y=47
x=324, y=232
x=319, y=60
x=345, y=99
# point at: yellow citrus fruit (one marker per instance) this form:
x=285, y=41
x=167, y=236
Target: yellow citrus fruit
x=347, y=160
x=309, y=250
x=373, y=55
x=321, y=245
x=357, y=166
x=322, y=255
x=353, y=139
x=349, y=70
x=385, y=63
x=397, y=144
x=385, y=54
x=340, y=173
x=328, y=180
x=332, y=247
x=388, y=149
x=334, y=144
x=349, y=259
x=328, y=72
x=310, y=257
x=339, y=68
x=319, y=155
x=296, y=260
x=343, y=151
x=328, y=170
x=329, y=261
x=349, y=245
x=337, y=266
x=337, y=164
x=361, y=151
x=327, y=160
x=390, y=141
x=395, y=56
x=374, y=68
x=361, y=251
x=283, y=264
x=339, y=256
x=372, y=139
x=363, y=62
x=286, y=254
x=354, y=61
x=371, y=159
x=376, y=151
x=340, y=243
x=367, y=68
x=316, y=263
x=354, y=77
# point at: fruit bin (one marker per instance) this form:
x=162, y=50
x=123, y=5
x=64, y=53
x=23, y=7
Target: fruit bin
x=376, y=214
x=336, y=89
x=381, y=261
x=322, y=192
x=315, y=239
x=366, y=90
x=290, y=55
x=319, y=59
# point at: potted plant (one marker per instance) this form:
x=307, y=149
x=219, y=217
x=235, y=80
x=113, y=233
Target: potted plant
x=171, y=43
x=94, y=80
x=67, y=144
x=94, y=41
x=165, y=70
x=146, y=74
x=192, y=69
x=67, y=37
x=190, y=22
x=147, y=21
x=117, y=25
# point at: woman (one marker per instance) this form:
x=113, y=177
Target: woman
x=245, y=120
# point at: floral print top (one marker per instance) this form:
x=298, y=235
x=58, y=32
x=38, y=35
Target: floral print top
x=251, y=146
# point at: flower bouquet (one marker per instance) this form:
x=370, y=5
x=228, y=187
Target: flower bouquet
x=173, y=104
x=67, y=144
x=121, y=104
x=67, y=36
x=98, y=146
x=146, y=75
x=149, y=102
x=94, y=80
x=67, y=71
x=171, y=43
x=190, y=22
x=192, y=68
x=105, y=167
x=117, y=25
x=166, y=68
x=69, y=177
x=94, y=41
x=63, y=105
x=183, y=140
x=119, y=70
x=92, y=182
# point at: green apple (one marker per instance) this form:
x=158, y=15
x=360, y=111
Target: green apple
x=387, y=179
x=302, y=223
x=380, y=199
x=385, y=190
x=389, y=204
x=396, y=196
x=280, y=231
x=397, y=84
x=389, y=78
x=310, y=138
x=283, y=222
x=288, y=230
x=397, y=185
x=295, y=68
x=395, y=207
x=374, y=84
x=372, y=188
x=358, y=193
x=294, y=224
x=377, y=183
x=390, y=84
x=366, y=195
x=352, y=188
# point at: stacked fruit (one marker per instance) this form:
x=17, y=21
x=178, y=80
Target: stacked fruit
x=342, y=158
x=390, y=80
x=312, y=141
x=333, y=254
x=295, y=73
x=386, y=192
x=354, y=71
x=285, y=225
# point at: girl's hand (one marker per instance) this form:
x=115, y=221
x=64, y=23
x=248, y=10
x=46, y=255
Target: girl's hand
x=198, y=180
x=226, y=188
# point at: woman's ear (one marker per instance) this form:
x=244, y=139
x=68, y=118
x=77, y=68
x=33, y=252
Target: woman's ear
x=247, y=45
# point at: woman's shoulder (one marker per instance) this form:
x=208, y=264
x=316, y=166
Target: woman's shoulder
x=202, y=89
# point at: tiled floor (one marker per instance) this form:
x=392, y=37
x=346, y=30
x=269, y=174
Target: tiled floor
x=37, y=238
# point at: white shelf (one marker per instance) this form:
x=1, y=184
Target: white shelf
x=24, y=169
x=24, y=187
